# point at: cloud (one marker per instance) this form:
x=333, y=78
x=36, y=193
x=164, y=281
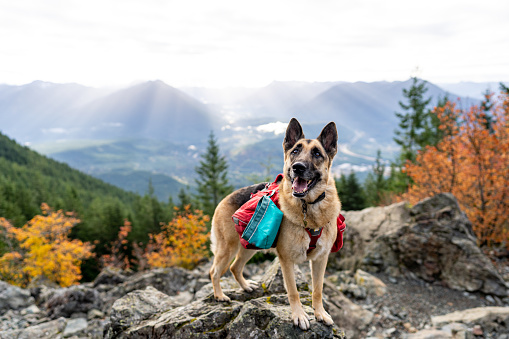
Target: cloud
x=251, y=43
x=273, y=127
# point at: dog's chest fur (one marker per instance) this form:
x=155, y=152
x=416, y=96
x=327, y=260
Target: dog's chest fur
x=294, y=238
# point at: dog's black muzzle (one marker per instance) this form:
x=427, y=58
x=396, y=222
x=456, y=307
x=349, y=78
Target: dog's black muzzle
x=304, y=177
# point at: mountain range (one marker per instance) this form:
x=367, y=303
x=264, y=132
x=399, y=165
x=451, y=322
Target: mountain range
x=155, y=129
x=42, y=112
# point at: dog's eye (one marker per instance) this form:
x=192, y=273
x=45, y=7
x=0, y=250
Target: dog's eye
x=317, y=154
x=295, y=151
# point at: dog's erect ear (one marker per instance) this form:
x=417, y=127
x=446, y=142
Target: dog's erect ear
x=329, y=139
x=293, y=134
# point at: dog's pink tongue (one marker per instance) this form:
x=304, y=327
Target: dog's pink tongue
x=299, y=185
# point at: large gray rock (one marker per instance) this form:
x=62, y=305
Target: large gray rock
x=263, y=313
x=77, y=300
x=265, y=317
x=138, y=306
x=13, y=297
x=432, y=240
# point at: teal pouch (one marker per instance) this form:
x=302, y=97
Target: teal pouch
x=262, y=229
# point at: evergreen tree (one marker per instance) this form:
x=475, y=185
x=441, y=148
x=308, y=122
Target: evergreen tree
x=375, y=184
x=485, y=114
x=432, y=133
x=149, y=214
x=398, y=181
x=350, y=192
x=504, y=88
x=212, y=183
x=184, y=199
x=412, y=133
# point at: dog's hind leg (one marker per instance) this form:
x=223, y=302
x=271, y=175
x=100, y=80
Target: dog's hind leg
x=243, y=256
x=222, y=259
x=224, y=243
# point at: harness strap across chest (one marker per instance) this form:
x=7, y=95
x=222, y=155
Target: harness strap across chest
x=316, y=233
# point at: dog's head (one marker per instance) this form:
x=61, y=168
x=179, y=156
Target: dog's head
x=308, y=161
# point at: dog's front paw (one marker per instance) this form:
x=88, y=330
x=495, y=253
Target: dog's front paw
x=222, y=298
x=301, y=319
x=250, y=285
x=322, y=315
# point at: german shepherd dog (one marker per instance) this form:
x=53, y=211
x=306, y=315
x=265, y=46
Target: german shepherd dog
x=303, y=203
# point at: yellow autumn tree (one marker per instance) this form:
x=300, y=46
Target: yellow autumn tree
x=44, y=250
x=182, y=241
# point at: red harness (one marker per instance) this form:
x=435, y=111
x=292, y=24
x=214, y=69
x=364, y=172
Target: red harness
x=313, y=236
x=244, y=214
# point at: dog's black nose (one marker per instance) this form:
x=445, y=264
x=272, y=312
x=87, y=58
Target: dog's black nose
x=298, y=167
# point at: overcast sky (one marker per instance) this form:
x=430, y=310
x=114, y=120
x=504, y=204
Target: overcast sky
x=241, y=43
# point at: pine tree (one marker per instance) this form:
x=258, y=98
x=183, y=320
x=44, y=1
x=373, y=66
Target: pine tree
x=212, y=182
x=504, y=89
x=350, y=192
x=184, y=199
x=433, y=133
x=486, y=106
x=413, y=123
x=375, y=184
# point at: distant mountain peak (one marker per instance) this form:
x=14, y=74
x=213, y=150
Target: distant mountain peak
x=153, y=84
x=40, y=84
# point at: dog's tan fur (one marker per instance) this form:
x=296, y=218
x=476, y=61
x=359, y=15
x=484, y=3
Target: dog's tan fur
x=293, y=240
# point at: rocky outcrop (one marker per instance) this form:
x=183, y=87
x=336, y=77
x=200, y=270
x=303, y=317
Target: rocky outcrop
x=432, y=240
x=83, y=311
x=138, y=306
x=263, y=313
x=401, y=261
x=265, y=317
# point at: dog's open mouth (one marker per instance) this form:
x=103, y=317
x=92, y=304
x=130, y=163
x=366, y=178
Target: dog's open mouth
x=301, y=186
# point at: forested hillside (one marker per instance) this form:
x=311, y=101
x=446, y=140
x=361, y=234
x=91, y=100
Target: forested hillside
x=28, y=179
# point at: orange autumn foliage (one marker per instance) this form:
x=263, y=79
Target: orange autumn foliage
x=182, y=241
x=118, y=248
x=45, y=250
x=471, y=162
